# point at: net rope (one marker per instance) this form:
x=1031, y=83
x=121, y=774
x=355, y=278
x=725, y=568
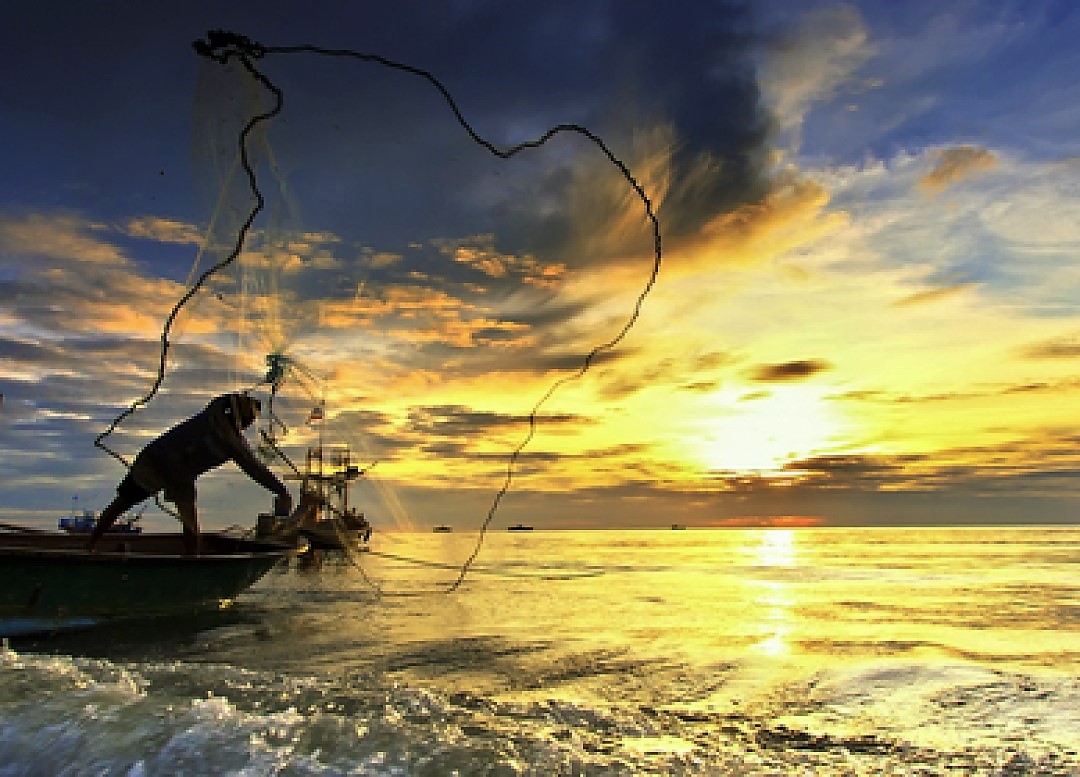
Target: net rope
x=224, y=47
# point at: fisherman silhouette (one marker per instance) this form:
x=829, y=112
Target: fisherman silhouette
x=173, y=462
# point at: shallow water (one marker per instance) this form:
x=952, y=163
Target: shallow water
x=842, y=651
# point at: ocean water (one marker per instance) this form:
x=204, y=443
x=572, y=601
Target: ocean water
x=811, y=651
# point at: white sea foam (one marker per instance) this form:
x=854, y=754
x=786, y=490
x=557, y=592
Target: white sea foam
x=701, y=653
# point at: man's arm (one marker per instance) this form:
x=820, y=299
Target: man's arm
x=246, y=459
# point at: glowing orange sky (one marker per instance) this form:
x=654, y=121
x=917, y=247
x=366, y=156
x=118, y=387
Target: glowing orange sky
x=879, y=324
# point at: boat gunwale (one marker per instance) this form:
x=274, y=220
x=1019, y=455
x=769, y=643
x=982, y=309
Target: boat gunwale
x=69, y=554
x=147, y=546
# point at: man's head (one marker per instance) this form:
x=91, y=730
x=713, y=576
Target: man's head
x=243, y=410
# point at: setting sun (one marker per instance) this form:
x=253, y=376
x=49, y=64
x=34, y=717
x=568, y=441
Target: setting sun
x=761, y=432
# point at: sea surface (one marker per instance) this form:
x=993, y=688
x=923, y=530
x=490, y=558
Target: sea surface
x=696, y=652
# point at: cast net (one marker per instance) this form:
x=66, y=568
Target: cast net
x=379, y=261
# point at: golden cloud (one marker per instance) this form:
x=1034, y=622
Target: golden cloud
x=422, y=315
x=609, y=216
x=791, y=214
x=383, y=259
x=60, y=237
x=954, y=165
x=479, y=253
x=932, y=295
x=163, y=230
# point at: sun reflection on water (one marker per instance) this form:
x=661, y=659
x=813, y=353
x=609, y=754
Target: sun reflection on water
x=774, y=599
x=776, y=548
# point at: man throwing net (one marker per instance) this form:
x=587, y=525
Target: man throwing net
x=172, y=463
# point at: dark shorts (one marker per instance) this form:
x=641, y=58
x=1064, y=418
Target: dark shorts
x=142, y=482
x=131, y=491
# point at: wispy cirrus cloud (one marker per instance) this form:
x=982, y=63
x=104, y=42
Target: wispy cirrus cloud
x=64, y=238
x=162, y=230
x=811, y=60
x=932, y=295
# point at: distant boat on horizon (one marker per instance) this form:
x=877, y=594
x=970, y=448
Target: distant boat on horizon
x=678, y=526
x=519, y=527
x=442, y=529
x=85, y=523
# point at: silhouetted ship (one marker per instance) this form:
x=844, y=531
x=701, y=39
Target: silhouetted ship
x=85, y=523
x=323, y=519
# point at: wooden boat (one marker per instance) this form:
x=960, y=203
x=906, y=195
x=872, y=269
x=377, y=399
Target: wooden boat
x=342, y=531
x=51, y=581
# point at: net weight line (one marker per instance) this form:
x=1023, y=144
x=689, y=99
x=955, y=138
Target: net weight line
x=222, y=46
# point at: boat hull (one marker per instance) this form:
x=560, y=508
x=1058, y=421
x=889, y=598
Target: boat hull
x=329, y=537
x=50, y=581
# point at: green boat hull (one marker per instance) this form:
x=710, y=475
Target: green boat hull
x=50, y=581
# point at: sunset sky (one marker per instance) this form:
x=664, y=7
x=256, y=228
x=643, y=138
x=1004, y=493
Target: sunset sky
x=867, y=310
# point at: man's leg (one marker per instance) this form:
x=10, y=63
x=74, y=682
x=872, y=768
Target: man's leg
x=128, y=494
x=183, y=497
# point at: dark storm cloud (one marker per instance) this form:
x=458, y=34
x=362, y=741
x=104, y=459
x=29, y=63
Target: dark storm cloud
x=706, y=85
x=704, y=88
x=378, y=151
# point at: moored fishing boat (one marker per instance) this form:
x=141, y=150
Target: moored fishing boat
x=325, y=519
x=85, y=523
x=51, y=581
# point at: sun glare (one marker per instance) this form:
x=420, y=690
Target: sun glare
x=777, y=548
x=761, y=433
